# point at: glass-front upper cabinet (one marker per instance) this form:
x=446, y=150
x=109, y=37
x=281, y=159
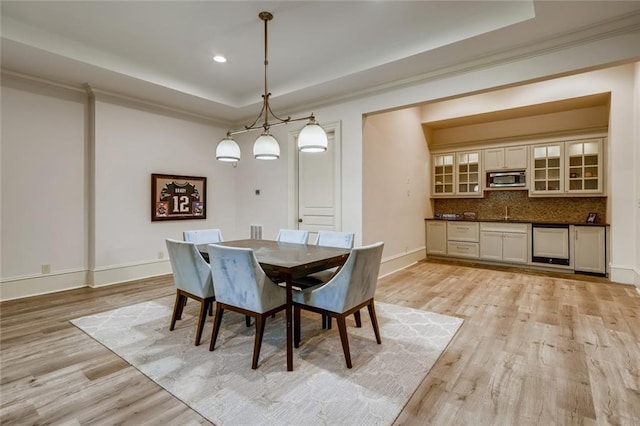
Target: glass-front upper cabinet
x=443, y=176
x=584, y=166
x=547, y=169
x=468, y=173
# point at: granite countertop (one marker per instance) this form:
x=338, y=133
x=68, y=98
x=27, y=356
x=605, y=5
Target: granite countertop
x=536, y=222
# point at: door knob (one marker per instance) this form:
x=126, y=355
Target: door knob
x=300, y=220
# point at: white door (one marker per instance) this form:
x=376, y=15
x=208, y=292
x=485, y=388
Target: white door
x=319, y=184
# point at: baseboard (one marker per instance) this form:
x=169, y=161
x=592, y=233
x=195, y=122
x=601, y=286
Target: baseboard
x=395, y=263
x=28, y=286
x=20, y=287
x=625, y=275
x=122, y=273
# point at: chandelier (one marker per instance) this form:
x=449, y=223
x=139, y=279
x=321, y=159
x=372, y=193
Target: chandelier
x=312, y=137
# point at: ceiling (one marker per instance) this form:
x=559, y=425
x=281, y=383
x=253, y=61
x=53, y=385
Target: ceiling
x=319, y=52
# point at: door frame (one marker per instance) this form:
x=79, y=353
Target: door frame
x=293, y=214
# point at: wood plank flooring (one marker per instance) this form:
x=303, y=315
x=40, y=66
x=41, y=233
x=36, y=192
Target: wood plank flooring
x=535, y=349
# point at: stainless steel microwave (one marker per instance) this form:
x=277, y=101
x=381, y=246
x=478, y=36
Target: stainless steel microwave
x=511, y=179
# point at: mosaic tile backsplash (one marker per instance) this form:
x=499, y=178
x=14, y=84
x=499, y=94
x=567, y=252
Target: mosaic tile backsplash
x=525, y=208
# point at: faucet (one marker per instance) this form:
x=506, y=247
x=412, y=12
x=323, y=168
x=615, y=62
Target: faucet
x=506, y=213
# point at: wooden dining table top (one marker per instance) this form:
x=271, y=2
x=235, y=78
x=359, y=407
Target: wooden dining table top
x=292, y=258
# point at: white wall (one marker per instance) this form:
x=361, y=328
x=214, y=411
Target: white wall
x=130, y=145
x=636, y=91
x=43, y=187
x=394, y=201
x=81, y=201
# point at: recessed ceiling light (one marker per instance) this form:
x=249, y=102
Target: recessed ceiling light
x=219, y=58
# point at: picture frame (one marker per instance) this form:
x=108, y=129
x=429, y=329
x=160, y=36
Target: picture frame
x=175, y=197
x=592, y=217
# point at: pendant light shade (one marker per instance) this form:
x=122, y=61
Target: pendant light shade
x=312, y=138
x=228, y=150
x=266, y=148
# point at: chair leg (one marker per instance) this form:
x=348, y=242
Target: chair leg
x=204, y=307
x=374, y=321
x=177, y=309
x=296, y=326
x=356, y=315
x=247, y=320
x=211, y=307
x=342, y=327
x=260, y=323
x=216, y=326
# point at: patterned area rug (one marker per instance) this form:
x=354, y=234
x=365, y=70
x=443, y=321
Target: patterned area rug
x=222, y=387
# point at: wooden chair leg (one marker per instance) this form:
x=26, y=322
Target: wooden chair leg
x=247, y=320
x=342, y=327
x=260, y=323
x=356, y=315
x=204, y=307
x=211, y=307
x=374, y=321
x=177, y=309
x=216, y=326
x=296, y=326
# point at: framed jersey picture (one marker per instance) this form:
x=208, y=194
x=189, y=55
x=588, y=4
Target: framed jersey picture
x=178, y=197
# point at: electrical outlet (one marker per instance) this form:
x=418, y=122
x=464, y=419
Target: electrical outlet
x=160, y=255
x=46, y=268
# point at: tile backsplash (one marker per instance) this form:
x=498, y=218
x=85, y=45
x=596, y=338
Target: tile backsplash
x=525, y=208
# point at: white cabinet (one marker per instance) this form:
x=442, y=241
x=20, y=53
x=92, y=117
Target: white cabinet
x=504, y=242
x=590, y=249
x=567, y=168
x=457, y=174
x=468, y=174
x=437, y=237
x=463, y=239
x=512, y=157
x=547, y=168
x=584, y=166
x=443, y=175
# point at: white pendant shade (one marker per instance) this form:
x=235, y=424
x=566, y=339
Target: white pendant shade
x=228, y=150
x=312, y=138
x=266, y=148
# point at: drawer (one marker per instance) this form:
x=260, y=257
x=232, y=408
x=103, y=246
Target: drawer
x=463, y=249
x=520, y=228
x=463, y=231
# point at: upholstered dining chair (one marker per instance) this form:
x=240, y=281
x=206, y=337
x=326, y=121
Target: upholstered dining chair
x=352, y=288
x=242, y=286
x=327, y=239
x=192, y=279
x=293, y=236
x=203, y=236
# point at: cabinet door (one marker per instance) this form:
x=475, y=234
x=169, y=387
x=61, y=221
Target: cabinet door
x=468, y=173
x=515, y=157
x=590, y=249
x=491, y=245
x=493, y=159
x=551, y=242
x=584, y=166
x=443, y=175
x=514, y=247
x=436, y=237
x=547, y=169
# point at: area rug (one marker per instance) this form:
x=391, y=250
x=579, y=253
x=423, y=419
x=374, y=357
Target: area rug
x=222, y=387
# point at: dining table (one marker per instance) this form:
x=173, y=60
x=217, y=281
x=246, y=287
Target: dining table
x=285, y=262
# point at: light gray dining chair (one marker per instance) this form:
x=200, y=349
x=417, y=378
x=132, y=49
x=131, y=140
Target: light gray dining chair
x=192, y=279
x=293, y=236
x=242, y=286
x=351, y=289
x=327, y=239
x=203, y=236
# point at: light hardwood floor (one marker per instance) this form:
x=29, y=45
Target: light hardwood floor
x=535, y=349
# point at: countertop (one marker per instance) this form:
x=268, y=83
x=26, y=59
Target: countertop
x=520, y=221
